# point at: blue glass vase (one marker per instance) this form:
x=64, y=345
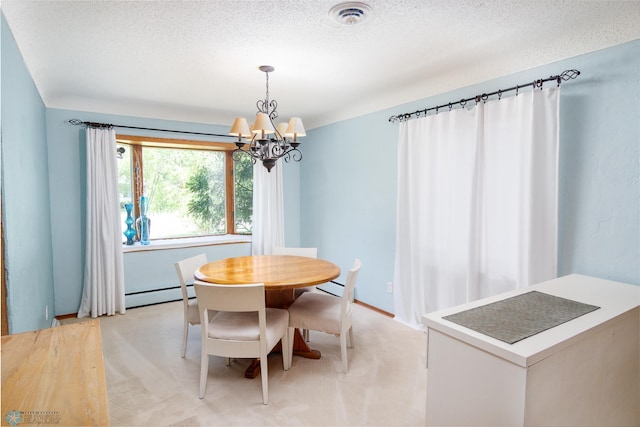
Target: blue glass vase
x=145, y=223
x=129, y=233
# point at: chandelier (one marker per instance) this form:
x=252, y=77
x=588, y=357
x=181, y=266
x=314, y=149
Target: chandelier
x=265, y=141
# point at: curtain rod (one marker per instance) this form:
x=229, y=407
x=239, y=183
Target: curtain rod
x=77, y=122
x=565, y=75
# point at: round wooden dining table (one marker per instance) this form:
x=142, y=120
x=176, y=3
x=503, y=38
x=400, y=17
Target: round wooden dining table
x=281, y=275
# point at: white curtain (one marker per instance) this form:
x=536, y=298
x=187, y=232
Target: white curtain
x=477, y=203
x=103, y=291
x=268, y=209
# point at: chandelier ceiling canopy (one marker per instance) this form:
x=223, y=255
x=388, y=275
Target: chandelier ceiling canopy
x=264, y=140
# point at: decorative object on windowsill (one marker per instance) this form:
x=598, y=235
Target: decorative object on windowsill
x=143, y=223
x=266, y=141
x=130, y=233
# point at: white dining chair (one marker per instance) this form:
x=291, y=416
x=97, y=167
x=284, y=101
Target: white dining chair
x=324, y=312
x=185, y=270
x=308, y=252
x=243, y=327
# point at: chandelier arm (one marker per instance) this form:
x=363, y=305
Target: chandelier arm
x=294, y=154
x=274, y=113
x=278, y=148
x=237, y=154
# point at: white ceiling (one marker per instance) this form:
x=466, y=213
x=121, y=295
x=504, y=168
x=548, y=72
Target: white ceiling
x=197, y=60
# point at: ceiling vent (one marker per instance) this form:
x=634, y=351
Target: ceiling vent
x=350, y=13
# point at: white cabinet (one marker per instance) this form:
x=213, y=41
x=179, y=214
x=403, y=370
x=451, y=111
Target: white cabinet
x=583, y=372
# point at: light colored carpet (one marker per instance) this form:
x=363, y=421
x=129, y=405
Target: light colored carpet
x=148, y=383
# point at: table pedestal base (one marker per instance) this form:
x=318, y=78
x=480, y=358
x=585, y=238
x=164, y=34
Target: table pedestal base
x=283, y=299
x=300, y=348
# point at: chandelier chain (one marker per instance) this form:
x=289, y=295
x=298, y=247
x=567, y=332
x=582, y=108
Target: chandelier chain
x=267, y=89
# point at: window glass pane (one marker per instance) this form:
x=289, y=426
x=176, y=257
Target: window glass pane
x=243, y=197
x=186, y=190
x=124, y=183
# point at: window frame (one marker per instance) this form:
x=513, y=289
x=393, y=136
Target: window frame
x=136, y=143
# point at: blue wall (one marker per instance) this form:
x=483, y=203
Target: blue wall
x=25, y=195
x=599, y=233
x=348, y=204
x=145, y=270
x=348, y=207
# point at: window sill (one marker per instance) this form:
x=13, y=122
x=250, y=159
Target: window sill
x=187, y=242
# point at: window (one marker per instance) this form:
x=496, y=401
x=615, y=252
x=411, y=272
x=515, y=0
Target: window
x=194, y=188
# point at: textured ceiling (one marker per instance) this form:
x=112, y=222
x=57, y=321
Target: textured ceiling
x=197, y=60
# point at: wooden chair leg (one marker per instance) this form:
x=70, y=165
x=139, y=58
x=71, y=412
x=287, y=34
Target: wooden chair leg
x=286, y=354
x=351, y=337
x=343, y=350
x=291, y=339
x=185, y=335
x=204, y=371
x=265, y=378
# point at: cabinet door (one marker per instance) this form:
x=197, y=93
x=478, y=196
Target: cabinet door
x=593, y=382
x=467, y=386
